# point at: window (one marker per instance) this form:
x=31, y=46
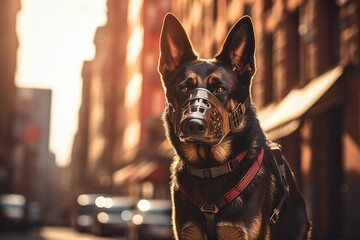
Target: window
x=247, y=9
x=292, y=50
x=268, y=68
x=267, y=5
x=215, y=10
x=327, y=34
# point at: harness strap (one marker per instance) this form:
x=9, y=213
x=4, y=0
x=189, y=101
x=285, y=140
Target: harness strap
x=216, y=171
x=244, y=182
x=210, y=209
x=279, y=167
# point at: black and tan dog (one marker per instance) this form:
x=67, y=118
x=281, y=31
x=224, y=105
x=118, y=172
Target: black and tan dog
x=228, y=180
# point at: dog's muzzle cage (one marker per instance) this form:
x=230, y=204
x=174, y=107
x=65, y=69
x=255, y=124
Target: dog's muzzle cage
x=203, y=118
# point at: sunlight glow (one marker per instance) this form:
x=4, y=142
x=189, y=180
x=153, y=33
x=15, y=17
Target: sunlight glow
x=134, y=45
x=134, y=9
x=133, y=90
x=55, y=37
x=132, y=135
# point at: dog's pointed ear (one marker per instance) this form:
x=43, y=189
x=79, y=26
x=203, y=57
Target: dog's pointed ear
x=239, y=48
x=175, y=46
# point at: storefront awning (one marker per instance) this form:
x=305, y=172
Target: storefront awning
x=281, y=119
x=143, y=170
x=145, y=166
x=123, y=174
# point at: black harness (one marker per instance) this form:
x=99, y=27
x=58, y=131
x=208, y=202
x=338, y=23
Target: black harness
x=211, y=209
x=278, y=164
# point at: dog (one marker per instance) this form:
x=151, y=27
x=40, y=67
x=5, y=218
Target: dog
x=228, y=181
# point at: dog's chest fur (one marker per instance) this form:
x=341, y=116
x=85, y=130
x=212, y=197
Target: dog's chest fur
x=241, y=219
x=225, y=231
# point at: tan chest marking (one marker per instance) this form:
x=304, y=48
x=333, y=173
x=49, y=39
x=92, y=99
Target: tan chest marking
x=225, y=231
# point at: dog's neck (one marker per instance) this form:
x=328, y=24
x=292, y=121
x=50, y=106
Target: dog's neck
x=216, y=171
x=205, y=155
x=207, y=189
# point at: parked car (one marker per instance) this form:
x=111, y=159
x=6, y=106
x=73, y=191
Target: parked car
x=34, y=214
x=152, y=220
x=12, y=212
x=112, y=216
x=83, y=217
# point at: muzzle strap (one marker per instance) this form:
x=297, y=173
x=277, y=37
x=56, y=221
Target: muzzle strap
x=171, y=112
x=237, y=115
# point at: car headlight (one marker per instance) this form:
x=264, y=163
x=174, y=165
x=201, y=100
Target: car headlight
x=144, y=205
x=126, y=215
x=103, y=217
x=137, y=219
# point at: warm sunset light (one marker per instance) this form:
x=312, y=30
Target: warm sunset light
x=173, y=119
x=55, y=37
x=134, y=46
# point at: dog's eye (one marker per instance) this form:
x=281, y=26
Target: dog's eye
x=184, y=89
x=220, y=89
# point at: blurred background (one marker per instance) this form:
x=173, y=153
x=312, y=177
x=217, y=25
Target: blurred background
x=81, y=142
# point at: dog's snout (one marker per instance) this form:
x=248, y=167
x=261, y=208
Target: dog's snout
x=201, y=118
x=195, y=127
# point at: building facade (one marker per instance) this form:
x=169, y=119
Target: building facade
x=306, y=89
x=33, y=164
x=8, y=53
x=122, y=103
x=100, y=116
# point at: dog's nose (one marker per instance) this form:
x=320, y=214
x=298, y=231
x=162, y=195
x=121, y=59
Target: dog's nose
x=195, y=127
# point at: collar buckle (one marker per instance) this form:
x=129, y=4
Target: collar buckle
x=216, y=171
x=275, y=216
x=209, y=208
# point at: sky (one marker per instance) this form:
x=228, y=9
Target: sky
x=55, y=38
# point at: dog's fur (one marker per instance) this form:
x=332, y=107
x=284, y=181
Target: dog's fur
x=229, y=77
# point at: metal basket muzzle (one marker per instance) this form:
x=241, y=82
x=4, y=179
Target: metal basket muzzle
x=202, y=118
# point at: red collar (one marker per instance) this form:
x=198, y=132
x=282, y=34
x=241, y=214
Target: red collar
x=239, y=187
x=245, y=180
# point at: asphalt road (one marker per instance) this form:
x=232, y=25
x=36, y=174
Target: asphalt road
x=52, y=233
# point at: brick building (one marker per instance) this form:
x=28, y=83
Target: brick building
x=8, y=53
x=307, y=92
x=306, y=89
x=141, y=171
x=93, y=151
x=122, y=102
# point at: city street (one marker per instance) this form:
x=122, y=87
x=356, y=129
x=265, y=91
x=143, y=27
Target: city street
x=52, y=233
